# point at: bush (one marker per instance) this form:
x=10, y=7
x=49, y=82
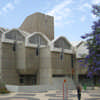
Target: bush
x=3, y=90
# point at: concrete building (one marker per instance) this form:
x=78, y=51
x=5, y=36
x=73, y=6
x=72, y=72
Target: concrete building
x=81, y=52
x=30, y=55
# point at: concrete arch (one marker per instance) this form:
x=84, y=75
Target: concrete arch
x=61, y=42
x=14, y=35
x=36, y=38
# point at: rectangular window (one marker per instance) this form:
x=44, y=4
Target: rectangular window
x=58, y=75
x=21, y=79
x=28, y=79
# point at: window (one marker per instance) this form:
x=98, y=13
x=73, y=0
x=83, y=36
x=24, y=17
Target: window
x=37, y=39
x=14, y=35
x=21, y=79
x=61, y=43
x=58, y=75
x=28, y=79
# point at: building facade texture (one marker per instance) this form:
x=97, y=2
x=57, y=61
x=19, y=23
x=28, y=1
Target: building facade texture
x=31, y=55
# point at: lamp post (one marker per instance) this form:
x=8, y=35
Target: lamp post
x=14, y=44
x=62, y=54
x=38, y=52
x=38, y=47
x=62, y=51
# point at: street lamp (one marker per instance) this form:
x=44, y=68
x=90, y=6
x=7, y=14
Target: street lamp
x=62, y=51
x=62, y=54
x=38, y=47
x=14, y=44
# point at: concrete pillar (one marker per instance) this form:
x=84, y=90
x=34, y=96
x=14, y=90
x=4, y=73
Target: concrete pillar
x=75, y=67
x=76, y=72
x=20, y=57
x=45, y=73
x=8, y=65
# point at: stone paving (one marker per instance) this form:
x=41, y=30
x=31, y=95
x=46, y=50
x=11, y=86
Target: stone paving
x=52, y=95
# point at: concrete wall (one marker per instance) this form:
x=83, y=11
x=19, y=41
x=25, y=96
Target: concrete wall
x=39, y=22
x=32, y=61
x=0, y=60
x=8, y=64
x=61, y=67
x=58, y=82
x=38, y=88
x=27, y=61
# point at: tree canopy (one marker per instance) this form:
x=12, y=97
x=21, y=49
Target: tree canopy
x=93, y=44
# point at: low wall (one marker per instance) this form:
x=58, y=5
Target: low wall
x=57, y=84
x=14, y=88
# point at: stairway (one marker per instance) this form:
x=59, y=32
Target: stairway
x=58, y=83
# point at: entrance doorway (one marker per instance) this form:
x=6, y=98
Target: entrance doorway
x=28, y=79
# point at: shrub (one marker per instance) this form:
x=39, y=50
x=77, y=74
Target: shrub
x=3, y=89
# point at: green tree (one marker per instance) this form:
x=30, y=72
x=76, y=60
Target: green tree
x=93, y=44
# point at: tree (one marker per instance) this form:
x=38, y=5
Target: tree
x=93, y=44
x=96, y=10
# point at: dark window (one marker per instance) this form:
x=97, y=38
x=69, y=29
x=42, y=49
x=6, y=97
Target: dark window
x=58, y=75
x=72, y=58
x=28, y=79
x=21, y=79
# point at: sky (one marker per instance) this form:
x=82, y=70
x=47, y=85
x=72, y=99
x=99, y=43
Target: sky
x=72, y=18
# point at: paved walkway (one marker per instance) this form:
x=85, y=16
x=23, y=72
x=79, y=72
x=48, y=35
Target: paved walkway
x=52, y=95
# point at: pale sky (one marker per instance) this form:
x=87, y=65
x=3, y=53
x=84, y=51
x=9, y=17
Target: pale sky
x=72, y=18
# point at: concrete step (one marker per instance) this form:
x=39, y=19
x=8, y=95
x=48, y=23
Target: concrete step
x=58, y=82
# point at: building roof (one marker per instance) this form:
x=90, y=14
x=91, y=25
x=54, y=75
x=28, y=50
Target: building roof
x=30, y=22
x=75, y=43
x=81, y=50
x=53, y=48
x=63, y=38
x=4, y=39
x=33, y=34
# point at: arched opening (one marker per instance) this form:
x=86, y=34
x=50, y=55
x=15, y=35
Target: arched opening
x=37, y=39
x=62, y=43
x=14, y=35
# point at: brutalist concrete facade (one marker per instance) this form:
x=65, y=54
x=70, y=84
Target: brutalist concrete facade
x=38, y=22
x=30, y=55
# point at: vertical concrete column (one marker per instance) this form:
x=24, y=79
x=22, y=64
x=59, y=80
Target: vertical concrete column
x=0, y=61
x=75, y=67
x=38, y=72
x=45, y=73
x=20, y=57
x=76, y=75
x=8, y=65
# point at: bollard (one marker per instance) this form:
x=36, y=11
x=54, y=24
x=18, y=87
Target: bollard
x=65, y=91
